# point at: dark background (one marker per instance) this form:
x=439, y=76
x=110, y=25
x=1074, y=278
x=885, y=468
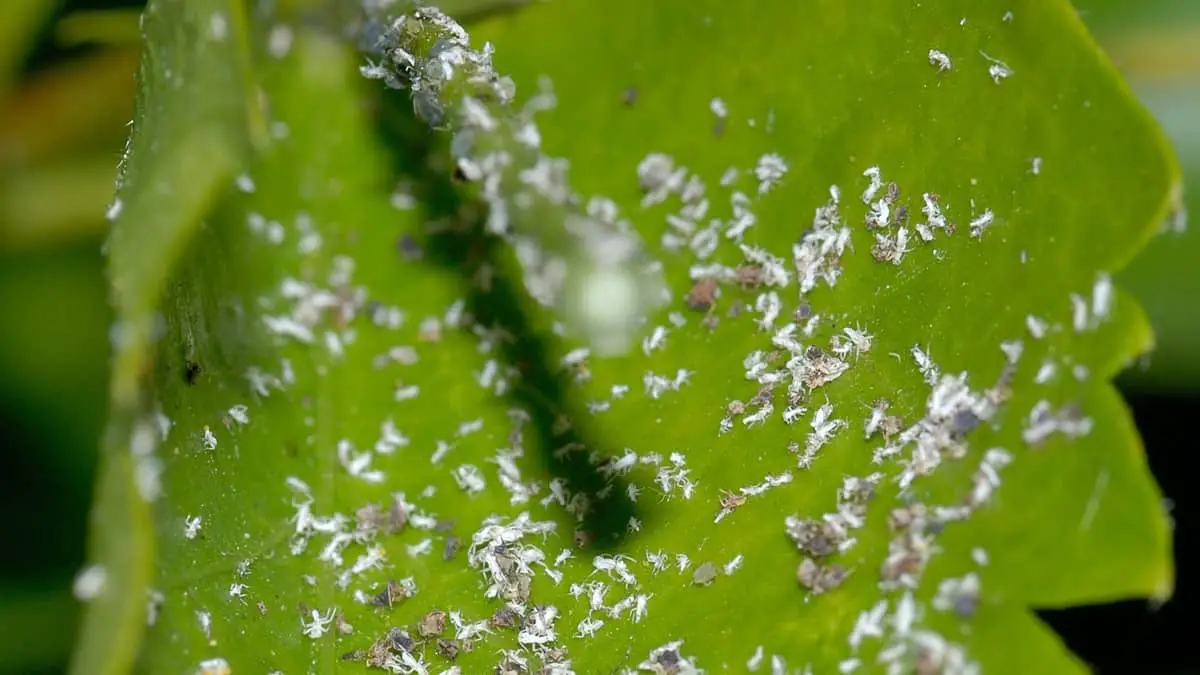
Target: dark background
x=54, y=321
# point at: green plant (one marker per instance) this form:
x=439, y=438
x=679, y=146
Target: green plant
x=870, y=439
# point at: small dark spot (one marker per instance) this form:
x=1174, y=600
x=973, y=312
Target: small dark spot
x=629, y=96
x=668, y=659
x=453, y=545
x=936, y=527
x=400, y=640
x=803, y=312
x=901, y=215
x=505, y=618
x=814, y=352
x=1071, y=411
x=966, y=604
x=447, y=649
x=356, y=655
x=893, y=192
x=719, y=127
x=965, y=421
x=459, y=175
x=191, y=372
x=409, y=249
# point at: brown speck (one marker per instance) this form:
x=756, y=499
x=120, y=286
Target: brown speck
x=447, y=649
x=400, y=640
x=390, y=595
x=731, y=500
x=379, y=653
x=703, y=295
x=820, y=578
x=432, y=624
x=749, y=276
x=504, y=618
x=397, y=517
x=581, y=538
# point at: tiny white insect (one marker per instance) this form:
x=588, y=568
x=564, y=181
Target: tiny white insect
x=1037, y=326
x=940, y=60
x=237, y=590
x=1102, y=297
x=997, y=69
x=191, y=526
x=793, y=413
x=238, y=413
x=209, y=439
x=319, y=624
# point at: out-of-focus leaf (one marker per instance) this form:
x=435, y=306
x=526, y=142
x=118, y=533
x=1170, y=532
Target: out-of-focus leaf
x=37, y=628
x=34, y=212
x=109, y=27
x=19, y=23
x=47, y=117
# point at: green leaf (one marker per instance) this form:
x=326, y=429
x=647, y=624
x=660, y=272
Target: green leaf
x=283, y=360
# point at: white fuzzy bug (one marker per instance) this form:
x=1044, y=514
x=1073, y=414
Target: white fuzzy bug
x=1037, y=326
x=319, y=624
x=860, y=339
x=588, y=627
x=759, y=416
x=656, y=339
x=1102, y=298
x=980, y=223
x=876, y=183
x=940, y=60
x=793, y=413
x=639, y=607
x=929, y=371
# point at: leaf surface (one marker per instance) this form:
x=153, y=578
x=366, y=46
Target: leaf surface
x=302, y=340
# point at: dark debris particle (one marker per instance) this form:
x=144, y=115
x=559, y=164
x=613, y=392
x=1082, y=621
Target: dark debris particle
x=447, y=649
x=901, y=215
x=703, y=295
x=453, y=545
x=965, y=421
x=390, y=595
x=803, y=312
x=409, y=249
x=629, y=96
x=819, y=578
x=432, y=624
x=669, y=661
x=399, y=640
x=508, y=667
x=965, y=605
x=191, y=372
x=505, y=618
x=356, y=655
